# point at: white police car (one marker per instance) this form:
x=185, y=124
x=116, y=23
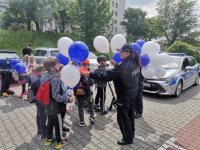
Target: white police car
x=181, y=72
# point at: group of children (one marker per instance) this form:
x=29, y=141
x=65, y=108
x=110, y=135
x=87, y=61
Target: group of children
x=52, y=115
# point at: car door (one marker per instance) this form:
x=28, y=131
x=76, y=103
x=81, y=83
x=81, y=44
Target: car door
x=186, y=73
x=40, y=56
x=194, y=69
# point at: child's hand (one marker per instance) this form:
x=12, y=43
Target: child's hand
x=112, y=62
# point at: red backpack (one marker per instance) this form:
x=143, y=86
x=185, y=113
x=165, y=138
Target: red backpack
x=43, y=94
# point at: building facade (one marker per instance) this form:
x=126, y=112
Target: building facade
x=118, y=9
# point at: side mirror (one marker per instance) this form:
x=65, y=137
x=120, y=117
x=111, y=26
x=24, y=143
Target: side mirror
x=188, y=68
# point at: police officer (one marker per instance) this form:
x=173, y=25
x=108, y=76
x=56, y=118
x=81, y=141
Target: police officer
x=139, y=99
x=125, y=77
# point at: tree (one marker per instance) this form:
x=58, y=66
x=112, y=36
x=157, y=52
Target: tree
x=153, y=28
x=177, y=18
x=90, y=18
x=135, y=23
x=59, y=9
x=24, y=11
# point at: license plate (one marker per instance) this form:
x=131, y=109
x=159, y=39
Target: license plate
x=147, y=84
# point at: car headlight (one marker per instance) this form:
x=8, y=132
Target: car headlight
x=169, y=79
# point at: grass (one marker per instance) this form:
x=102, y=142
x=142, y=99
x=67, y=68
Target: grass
x=18, y=40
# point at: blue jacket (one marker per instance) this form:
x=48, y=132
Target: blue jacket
x=125, y=77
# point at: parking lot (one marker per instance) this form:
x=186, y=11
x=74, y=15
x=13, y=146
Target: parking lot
x=165, y=124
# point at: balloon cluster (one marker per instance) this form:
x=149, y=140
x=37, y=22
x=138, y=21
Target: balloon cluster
x=75, y=51
x=151, y=53
x=18, y=66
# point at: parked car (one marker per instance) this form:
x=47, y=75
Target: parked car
x=181, y=72
x=5, y=59
x=41, y=53
x=6, y=56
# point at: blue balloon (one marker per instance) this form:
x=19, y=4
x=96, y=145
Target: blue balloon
x=14, y=62
x=116, y=57
x=144, y=59
x=140, y=42
x=62, y=59
x=20, y=68
x=78, y=52
x=136, y=47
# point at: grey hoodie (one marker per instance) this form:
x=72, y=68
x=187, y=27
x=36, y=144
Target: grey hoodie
x=58, y=92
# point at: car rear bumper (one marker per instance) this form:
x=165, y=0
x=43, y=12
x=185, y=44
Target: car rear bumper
x=159, y=87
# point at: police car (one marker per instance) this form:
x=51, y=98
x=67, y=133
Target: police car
x=181, y=72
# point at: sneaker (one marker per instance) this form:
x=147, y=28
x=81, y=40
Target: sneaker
x=22, y=95
x=104, y=111
x=97, y=107
x=92, y=119
x=81, y=124
x=48, y=142
x=65, y=129
x=5, y=94
x=61, y=144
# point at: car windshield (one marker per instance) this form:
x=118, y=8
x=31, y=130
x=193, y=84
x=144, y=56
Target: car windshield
x=174, y=64
x=54, y=53
x=8, y=56
x=92, y=56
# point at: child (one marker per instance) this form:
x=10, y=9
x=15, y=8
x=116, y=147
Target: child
x=58, y=96
x=22, y=77
x=41, y=117
x=31, y=64
x=83, y=93
x=64, y=128
x=101, y=86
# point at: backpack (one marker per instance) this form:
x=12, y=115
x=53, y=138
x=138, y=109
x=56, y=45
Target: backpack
x=83, y=88
x=43, y=93
x=30, y=96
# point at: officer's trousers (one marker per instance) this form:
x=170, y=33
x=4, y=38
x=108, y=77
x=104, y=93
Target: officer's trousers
x=126, y=121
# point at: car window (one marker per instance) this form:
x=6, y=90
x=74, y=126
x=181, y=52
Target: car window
x=174, y=64
x=54, y=53
x=92, y=56
x=8, y=56
x=192, y=61
x=40, y=53
x=185, y=63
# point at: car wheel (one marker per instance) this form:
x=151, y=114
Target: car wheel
x=197, y=81
x=179, y=88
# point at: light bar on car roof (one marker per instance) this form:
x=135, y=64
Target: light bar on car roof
x=177, y=54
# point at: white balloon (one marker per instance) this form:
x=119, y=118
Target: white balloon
x=166, y=58
x=156, y=60
x=101, y=44
x=117, y=42
x=63, y=45
x=148, y=72
x=160, y=71
x=151, y=48
x=70, y=75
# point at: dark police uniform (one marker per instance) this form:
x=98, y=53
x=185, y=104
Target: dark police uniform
x=139, y=100
x=125, y=77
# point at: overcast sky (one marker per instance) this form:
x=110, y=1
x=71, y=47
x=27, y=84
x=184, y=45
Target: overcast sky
x=146, y=5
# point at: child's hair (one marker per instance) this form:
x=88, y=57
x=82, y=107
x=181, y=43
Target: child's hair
x=31, y=59
x=39, y=68
x=50, y=62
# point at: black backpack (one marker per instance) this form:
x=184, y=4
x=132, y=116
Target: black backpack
x=83, y=87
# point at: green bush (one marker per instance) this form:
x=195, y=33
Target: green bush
x=182, y=47
x=18, y=40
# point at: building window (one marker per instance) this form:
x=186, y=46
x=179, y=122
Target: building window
x=116, y=13
x=116, y=5
x=115, y=21
x=113, y=3
x=115, y=29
